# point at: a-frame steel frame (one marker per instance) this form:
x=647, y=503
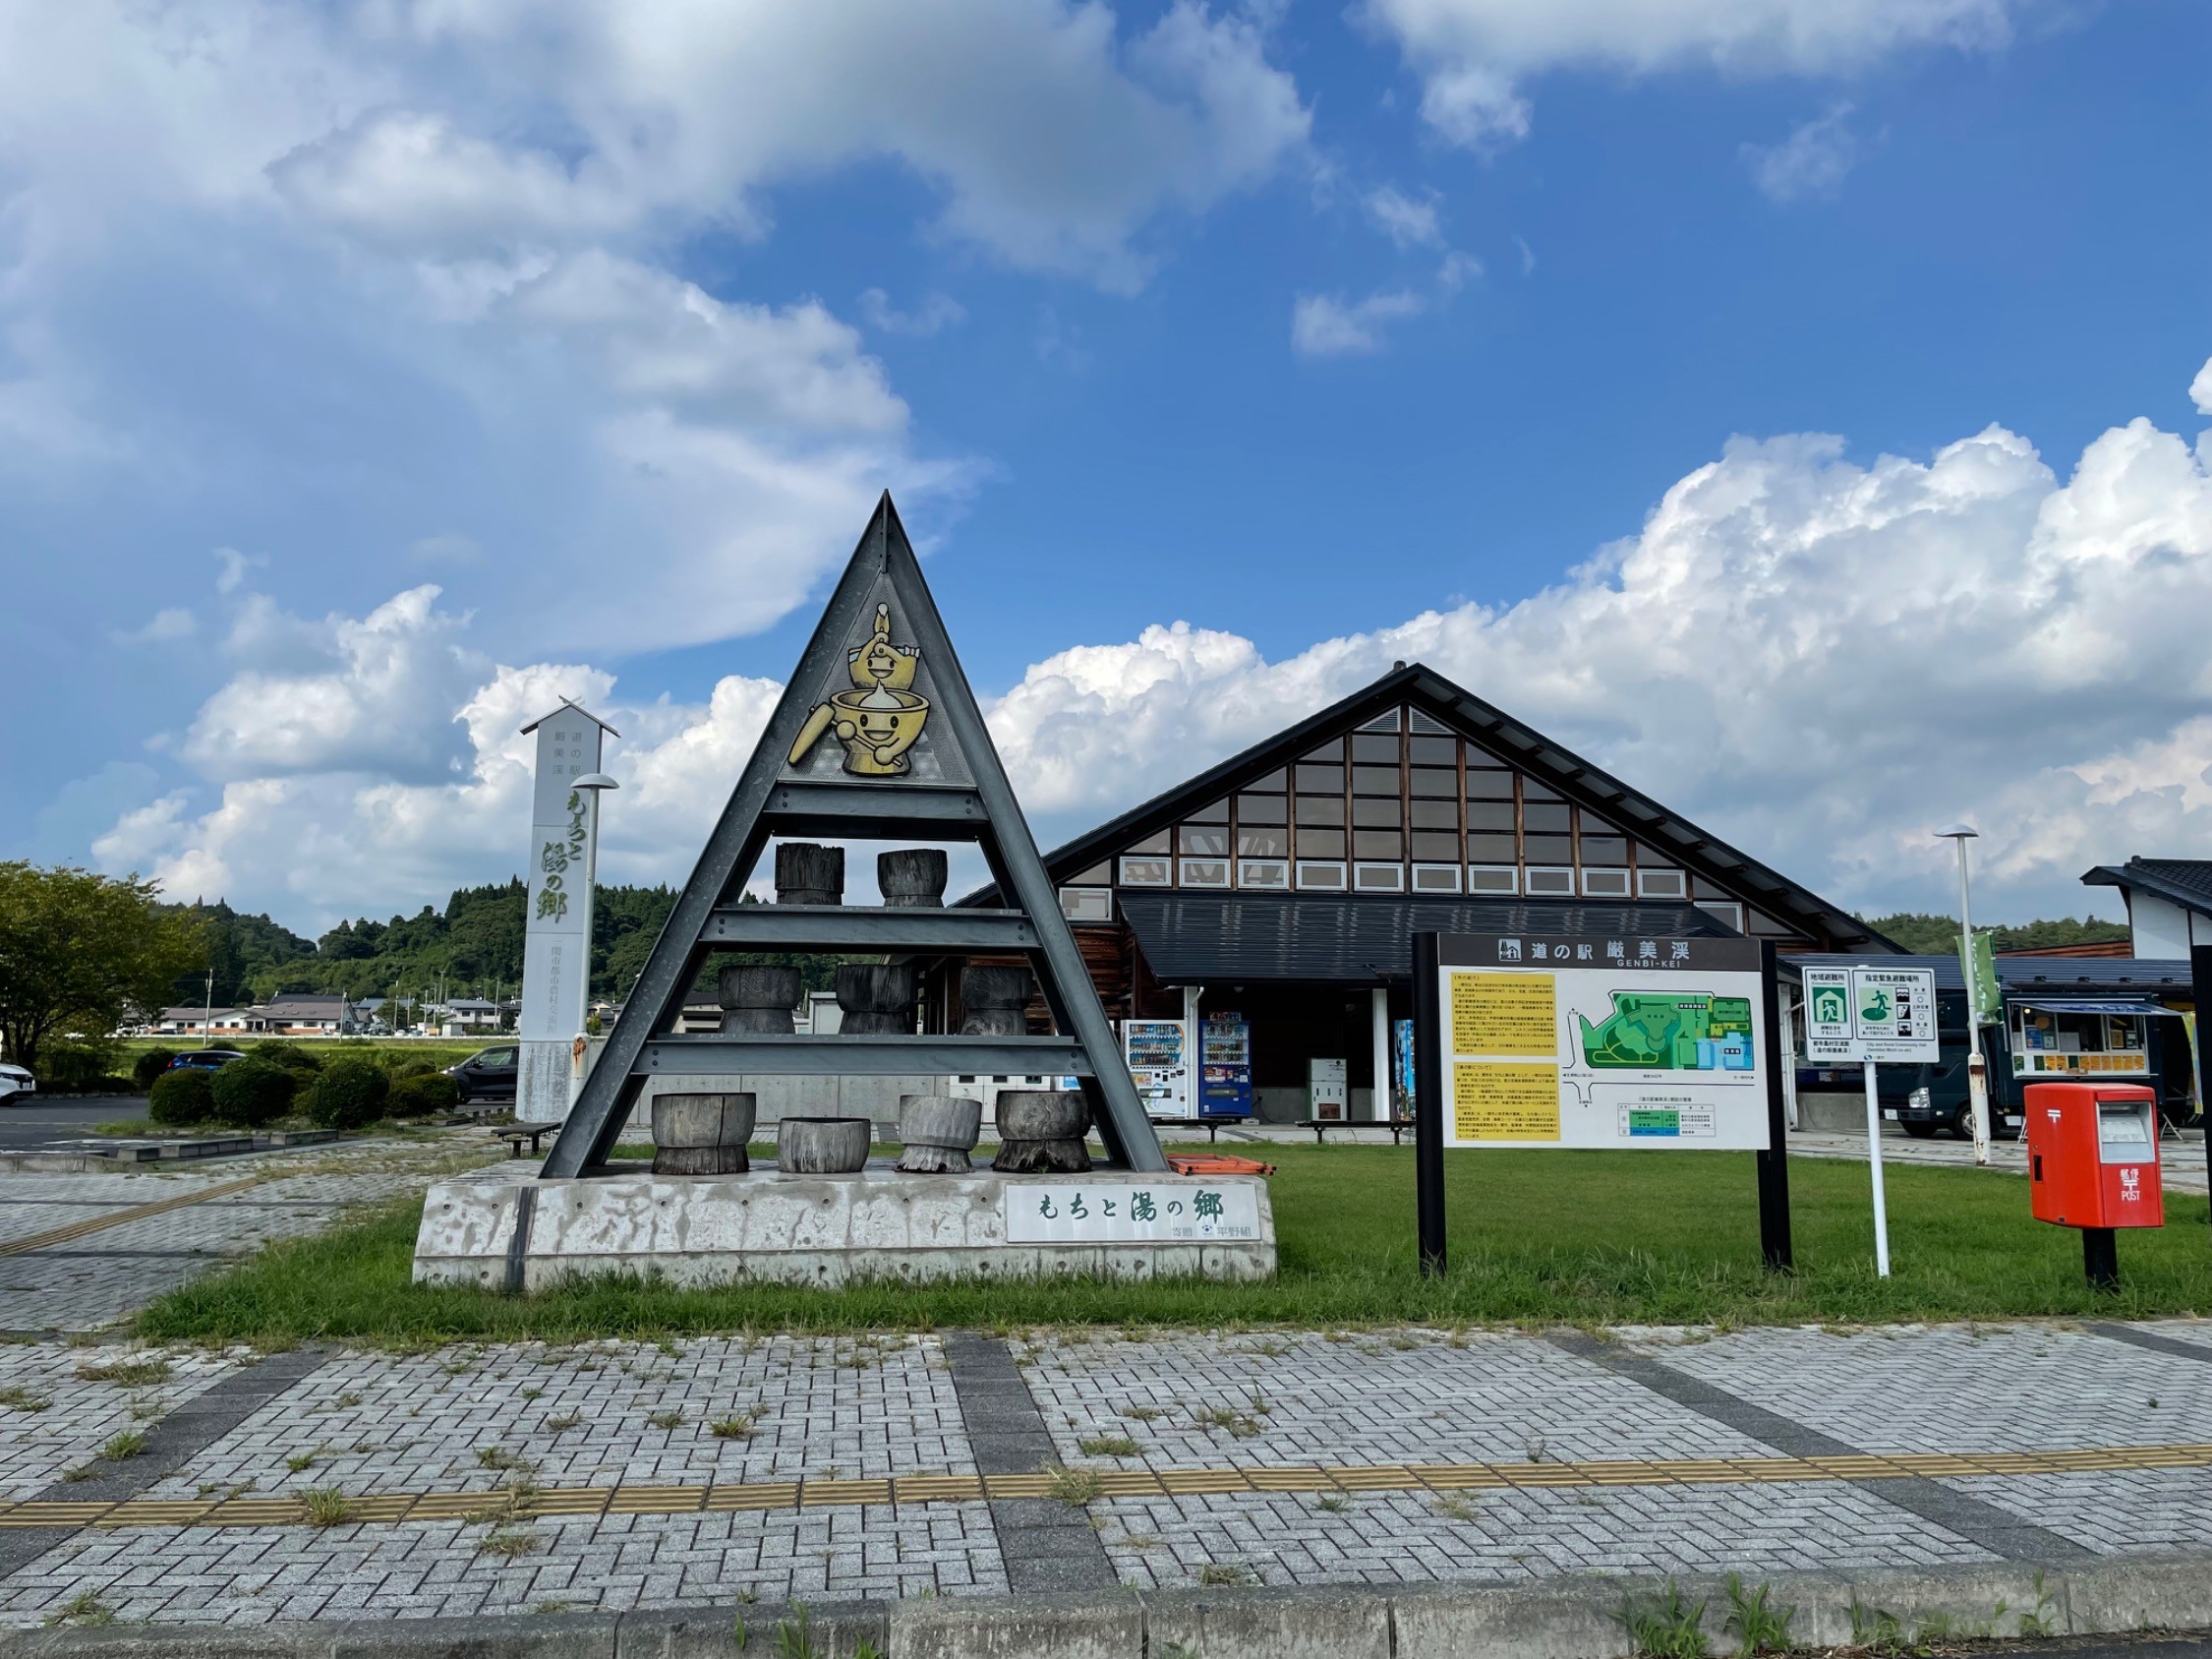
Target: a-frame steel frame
x=965, y=798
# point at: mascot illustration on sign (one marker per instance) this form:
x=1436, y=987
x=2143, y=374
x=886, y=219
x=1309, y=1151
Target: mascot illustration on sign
x=880, y=717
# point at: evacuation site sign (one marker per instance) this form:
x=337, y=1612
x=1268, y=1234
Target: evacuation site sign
x=1869, y=1012
x=1602, y=1043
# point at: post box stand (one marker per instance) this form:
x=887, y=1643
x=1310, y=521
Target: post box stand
x=2093, y=1165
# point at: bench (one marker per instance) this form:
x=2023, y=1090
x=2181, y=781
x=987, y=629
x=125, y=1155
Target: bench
x=1213, y=1126
x=1322, y=1125
x=514, y=1134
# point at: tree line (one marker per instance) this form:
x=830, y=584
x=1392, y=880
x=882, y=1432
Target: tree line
x=1938, y=936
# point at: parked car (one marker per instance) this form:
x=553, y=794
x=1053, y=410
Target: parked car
x=205, y=1059
x=16, y=1085
x=487, y=1075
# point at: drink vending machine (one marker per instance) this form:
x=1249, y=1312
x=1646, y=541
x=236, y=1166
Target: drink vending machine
x=1225, y=1066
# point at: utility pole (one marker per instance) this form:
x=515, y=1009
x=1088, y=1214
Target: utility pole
x=1977, y=1069
x=207, y=1014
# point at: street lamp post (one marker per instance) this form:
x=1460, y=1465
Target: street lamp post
x=1977, y=1069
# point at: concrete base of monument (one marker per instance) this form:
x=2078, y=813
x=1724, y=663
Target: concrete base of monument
x=828, y=1231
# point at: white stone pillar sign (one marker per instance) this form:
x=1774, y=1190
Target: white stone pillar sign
x=556, y=947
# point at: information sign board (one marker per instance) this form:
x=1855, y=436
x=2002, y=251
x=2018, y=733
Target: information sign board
x=1106, y=1212
x=1871, y=1014
x=1627, y=1042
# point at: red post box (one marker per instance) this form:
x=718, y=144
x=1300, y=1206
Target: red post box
x=2093, y=1163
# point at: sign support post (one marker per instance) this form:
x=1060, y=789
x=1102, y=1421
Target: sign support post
x=1874, y=1160
x=1428, y=1102
x=1776, y=1245
x=1866, y=1014
x=2200, y=977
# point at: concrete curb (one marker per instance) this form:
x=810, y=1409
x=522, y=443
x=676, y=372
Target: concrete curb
x=1568, y=1617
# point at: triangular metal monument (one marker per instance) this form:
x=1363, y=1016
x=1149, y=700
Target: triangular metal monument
x=877, y=736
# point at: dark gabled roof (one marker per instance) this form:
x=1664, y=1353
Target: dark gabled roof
x=1575, y=778
x=1192, y=938
x=2020, y=975
x=2187, y=882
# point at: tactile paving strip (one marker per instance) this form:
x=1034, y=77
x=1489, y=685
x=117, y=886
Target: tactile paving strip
x=326, y=1509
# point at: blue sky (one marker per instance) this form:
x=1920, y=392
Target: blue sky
x=1740, y=390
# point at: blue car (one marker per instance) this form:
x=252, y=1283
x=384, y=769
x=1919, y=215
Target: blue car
x=204, y=1059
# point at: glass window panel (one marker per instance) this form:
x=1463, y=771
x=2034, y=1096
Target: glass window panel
x=1144, y=872
x=1605, y=850
x=1375, y=747
x=1276, y=781
x=1376, y=780
x=1490, y=816
x=1438, y=814
x=1204, y=841
x=1377, y=844
x=1433, y=751
x=1320, y=780
x=1435, y=847
x=1494, y=879
x=1150, y=844
x=1376, y=813
x=1488, y=785
x=1531, y=790
x=1323, y=812
x=1262, y=810
x=1550, y=849
x=1320, y=843
x=1098, y=875
x=1333, y=750
x=1651, y=858
x=1552, y=818
x=1217, y=814
x=1434, y=781
x=1549, y=881
x=1262, y=842
x=1491, y=850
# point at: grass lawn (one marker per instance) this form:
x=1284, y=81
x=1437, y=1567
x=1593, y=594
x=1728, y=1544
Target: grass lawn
x=1540, y=1237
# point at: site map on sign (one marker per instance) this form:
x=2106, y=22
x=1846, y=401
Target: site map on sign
x=1671, y=1031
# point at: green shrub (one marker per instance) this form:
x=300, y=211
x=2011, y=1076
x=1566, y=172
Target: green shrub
x=423, y=1094
x=290, y=1055
x=399, y=1066
x=149, y=1066
x=253, y=1091
x=183, y=1096
x=347, y=1093
x=81, y=1064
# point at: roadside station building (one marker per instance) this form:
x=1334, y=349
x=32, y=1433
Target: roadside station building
x=1280, y=890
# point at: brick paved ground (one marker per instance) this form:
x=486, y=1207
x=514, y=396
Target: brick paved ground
x=483, y=1420
x=477, y=1420
x=87, y=1283
x=1901, y=1389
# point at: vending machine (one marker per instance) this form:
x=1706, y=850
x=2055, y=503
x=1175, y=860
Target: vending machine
x=1225, y=1066
x=1159, y=1064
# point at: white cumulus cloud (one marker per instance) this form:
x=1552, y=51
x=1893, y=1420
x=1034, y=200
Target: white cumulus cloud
x=1477, y=57
x=1812, y=161
x=1323, y=325
x=1816, y=657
